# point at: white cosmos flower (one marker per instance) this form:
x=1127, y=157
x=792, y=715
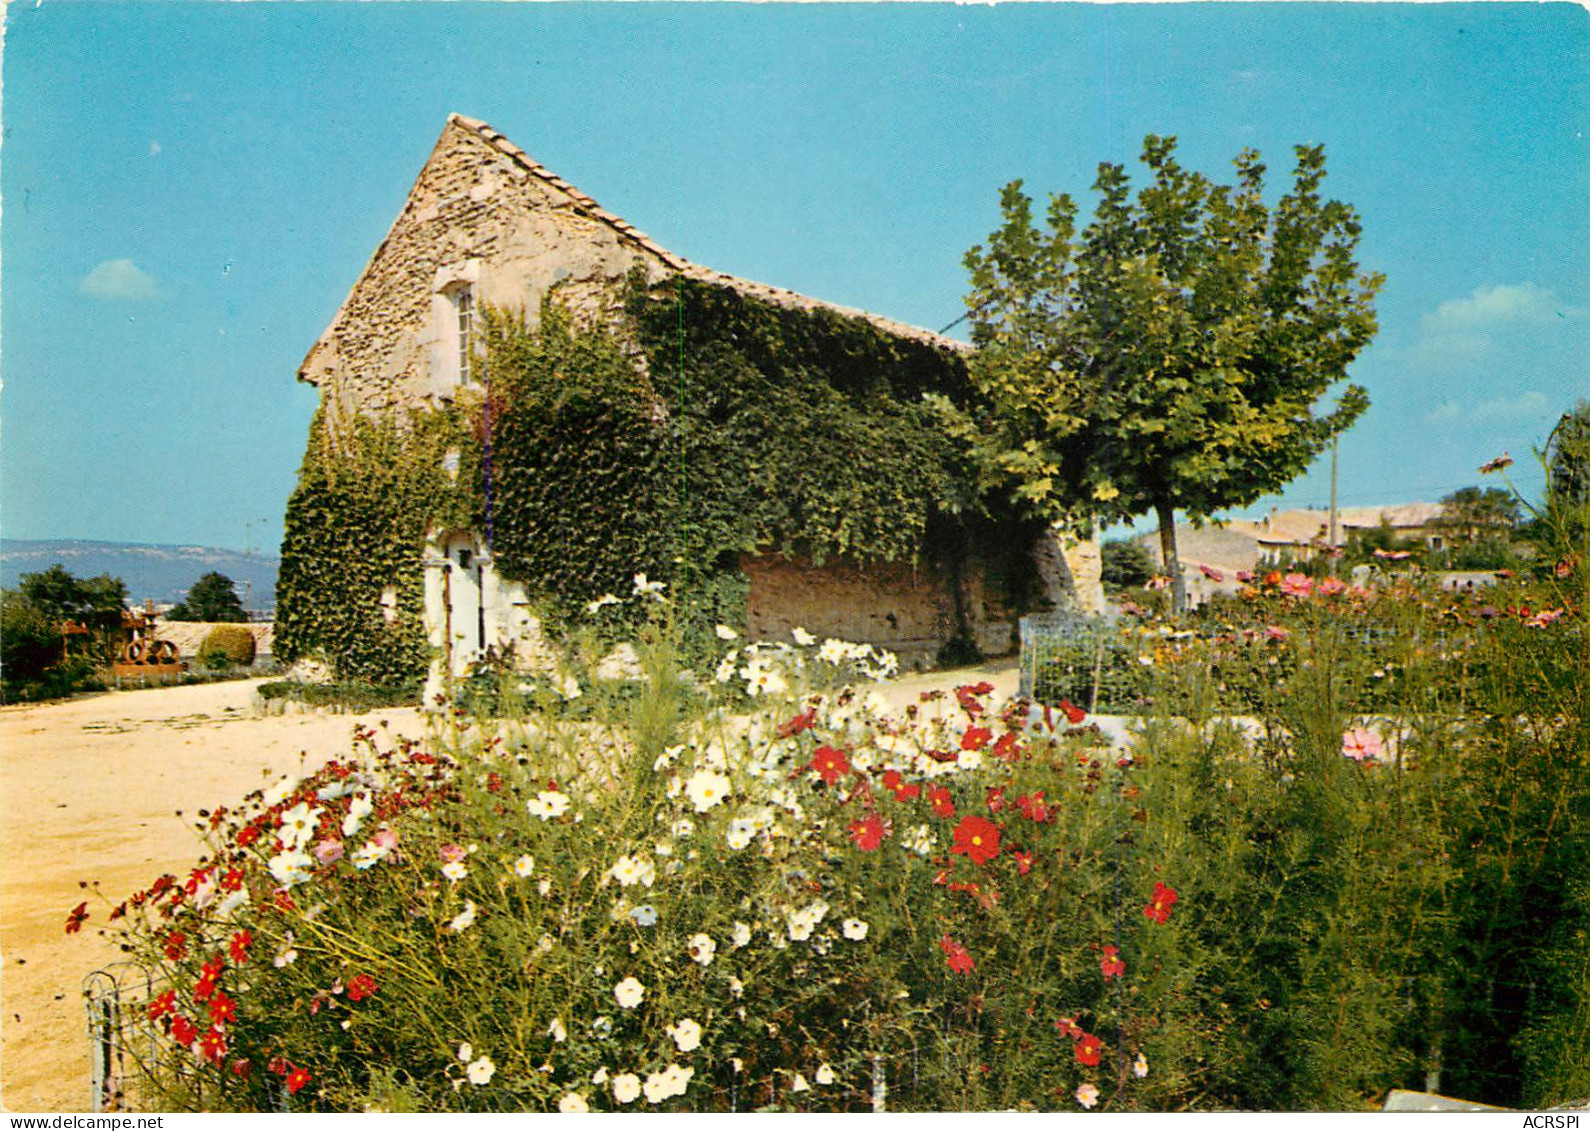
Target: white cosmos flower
x=740, y=833
x=232, y=902
x=802, y=637
x=279, y=792
x=466, y=1052
x=600, y=603
x=726, y=633
x=573, y=1104
x=368, y=856
x=727, y=667
x=524, y=866
x=736, y=987
x=1140, y=1066
x=628, y=993
x=358, y=809
x=481, y=1071
x=569, y=687
x=644, y=588
x=548, y=804
x=286, y=956
x=833, y=651
x=855, y=929
x=763, y=680
x=454, y=870
x=464, y=919
x=599, y=1077
x=800, y=1084
x=740, y=935
x=686, y=1034
x=556, y=1030
x=292, y=867
x=631, y=870
x=626, y=1087
x=824, y=1074
x=671, y=1081
x=706, y=789
x=298, y=825
x=544, y=887
x=702, y=949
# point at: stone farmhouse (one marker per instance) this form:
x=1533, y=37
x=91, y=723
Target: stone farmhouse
x=485, y=225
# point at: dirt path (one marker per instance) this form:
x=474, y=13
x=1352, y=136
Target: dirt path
x=89, y=790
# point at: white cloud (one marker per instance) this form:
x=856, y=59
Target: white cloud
x=1489, y=307
x=1461, y=329
x=119, y=280
x=1529, y=403
x=154, y=147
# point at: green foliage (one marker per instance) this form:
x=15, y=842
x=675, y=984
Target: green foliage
x=233, y=644
x=1567, y=459
x=1125, y=563
x=30, y=639
x=1476, y=514
x=355, y=524
x=1171, y=355
x=354, y=698
x=94, y=602
x=212, y=598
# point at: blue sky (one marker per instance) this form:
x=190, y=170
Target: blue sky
x=189, y=189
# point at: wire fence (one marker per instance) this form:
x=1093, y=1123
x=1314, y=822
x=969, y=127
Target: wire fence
x=123, y=1045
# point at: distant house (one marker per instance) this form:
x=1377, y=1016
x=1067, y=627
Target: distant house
x=486, y=225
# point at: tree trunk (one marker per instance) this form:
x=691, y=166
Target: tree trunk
x=1167, y=554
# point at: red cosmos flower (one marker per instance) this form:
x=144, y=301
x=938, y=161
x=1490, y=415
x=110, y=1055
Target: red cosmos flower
x=1160, y=907
x=831, y=765
x=803, y=721
x=183, y=1031
x=868, y=833
x=240, y=1067
x=976, y=738
x=908, y=792
x=163, y=1006
x=296, y=1079
x=967, y=696
x=1068, y=1026
x=75, y=921
x=233, y=880
x=247, y=835
x=176, y=946
x=943, y=804
x=1023, y=861
x=222, y=1009
x=1088, y=1048
x=279, y=1066
x=213, y=1045
x=958, y=957
x=361, y=986
x=1111, y=964
x=1564, y=568
x=239, y=945
x=1073, y=713
x=995, y=799
x=1006, y=747
x=977, y=838
x=284, y=902
x=1033, y=807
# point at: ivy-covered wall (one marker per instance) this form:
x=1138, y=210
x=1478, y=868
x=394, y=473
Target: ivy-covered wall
x=707, y=425
x=355, y=525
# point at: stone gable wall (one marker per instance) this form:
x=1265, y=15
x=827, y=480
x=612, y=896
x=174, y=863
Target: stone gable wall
x=470, y=203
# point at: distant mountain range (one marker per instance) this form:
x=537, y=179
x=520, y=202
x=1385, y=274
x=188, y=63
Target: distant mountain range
x=157, y=573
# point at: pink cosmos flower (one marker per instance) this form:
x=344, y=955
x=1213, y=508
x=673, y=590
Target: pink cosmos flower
x=1297, y=584
x=328, y=851
x=386, y=839
x=1362, y=744
x=1275, y=632
x=452, y=853
x=1331, y=586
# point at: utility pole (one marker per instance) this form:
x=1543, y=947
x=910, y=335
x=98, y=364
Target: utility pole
x=1335, y=440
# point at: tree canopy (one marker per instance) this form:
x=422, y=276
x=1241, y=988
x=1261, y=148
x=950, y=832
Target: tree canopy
x=212, y=598
x=95, y=602
x=1474, y=513
x=1170, y=355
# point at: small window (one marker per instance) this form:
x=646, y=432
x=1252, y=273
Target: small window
x=465, y=559
x=464, y=303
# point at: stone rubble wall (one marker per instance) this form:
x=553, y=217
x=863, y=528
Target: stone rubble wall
x=471, y=202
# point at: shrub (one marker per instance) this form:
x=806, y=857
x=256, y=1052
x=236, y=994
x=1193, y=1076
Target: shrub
x=1125, y=564
x=233, y=643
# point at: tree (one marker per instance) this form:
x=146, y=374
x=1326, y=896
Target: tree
x=1475, y=514
x=1125, y=563
x=212, y=598
x=1568, y=472
x=94, y=602
x=1170, y=357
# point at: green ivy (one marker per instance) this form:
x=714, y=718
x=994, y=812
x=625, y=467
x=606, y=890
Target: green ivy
x=705, y=426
